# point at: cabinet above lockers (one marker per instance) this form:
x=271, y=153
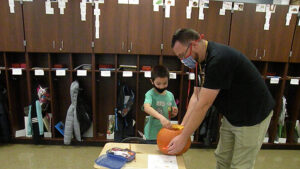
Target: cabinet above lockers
x=57, y=30
x=250, y=33
x=295, y=57
x=11, y=27
x=128, y=28
x=215, y=27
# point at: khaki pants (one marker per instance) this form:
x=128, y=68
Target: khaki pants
x=238, y=146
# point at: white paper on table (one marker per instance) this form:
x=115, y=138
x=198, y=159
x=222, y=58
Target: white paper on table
x=274, y=80
x=167, y=11
x=60, y=72
x=39, y=72
x=17, y=71
x=147, y=74
x=201, y=13
x=294, y=82
x=238, y=6
x=188, y=12
x=222, y=11
x=134, y=2
x=81, y=72
x=105, y=73
x=162, y=162
x=122, y=1
x=172, y=75
x=293, y=9
x=260, y=8
x=288, y=19
x=191, y=76
x=127, y=74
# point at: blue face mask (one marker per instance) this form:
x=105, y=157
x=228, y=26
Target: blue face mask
x=189, y=62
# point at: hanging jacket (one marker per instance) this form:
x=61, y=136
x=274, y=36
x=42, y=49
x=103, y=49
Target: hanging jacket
x=71, y=123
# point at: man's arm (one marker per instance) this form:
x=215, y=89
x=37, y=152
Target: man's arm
x=206, y=99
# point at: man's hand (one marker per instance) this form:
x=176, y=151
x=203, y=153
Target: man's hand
x=165, y=123
x=177, y=144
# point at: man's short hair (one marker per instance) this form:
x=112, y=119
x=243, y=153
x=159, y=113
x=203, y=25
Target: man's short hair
x=184, y=36
x=159, y=71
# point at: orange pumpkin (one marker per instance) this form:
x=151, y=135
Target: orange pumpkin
x=165, y=135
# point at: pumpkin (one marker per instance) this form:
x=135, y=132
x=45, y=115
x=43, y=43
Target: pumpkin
x=165, y=135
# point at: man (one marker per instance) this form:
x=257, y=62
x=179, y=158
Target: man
x=227, y=79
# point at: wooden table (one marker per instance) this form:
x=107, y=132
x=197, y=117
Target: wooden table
x=142, y=152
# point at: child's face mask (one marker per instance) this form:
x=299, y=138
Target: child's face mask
x=160, y=84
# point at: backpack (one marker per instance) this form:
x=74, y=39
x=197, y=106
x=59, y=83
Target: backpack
x=123, y=112
x=4, y=123
x=208, y=130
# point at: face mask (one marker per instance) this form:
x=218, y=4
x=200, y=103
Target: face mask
x=189, y=62
x=159, y=90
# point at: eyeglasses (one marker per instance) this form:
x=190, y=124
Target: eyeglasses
x=185, y=53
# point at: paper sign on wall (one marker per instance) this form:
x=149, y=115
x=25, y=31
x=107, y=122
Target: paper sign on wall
x=238, y=6
x=188, y=12
x=260, y=8
x=83, y=10
x=194, y=3
x=225, y=6
x=168, y=4
x=122, y=1
x=11, y=4
x=105, y=73
x=134, y=2
x=156, y=4
x=39, y=72
x=293, y=9
x=97, y=20
x=49, y=9
x=204, y=3
x=62, y=6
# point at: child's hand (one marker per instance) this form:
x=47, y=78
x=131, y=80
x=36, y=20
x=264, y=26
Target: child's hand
x=165, y=123
x=174, y=111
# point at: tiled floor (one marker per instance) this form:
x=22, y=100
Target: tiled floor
x=18, y=156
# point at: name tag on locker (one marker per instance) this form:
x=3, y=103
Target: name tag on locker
x=39, y=72
x=17, y=71
x=294, y=82
x=60, y=72
x=81, y=72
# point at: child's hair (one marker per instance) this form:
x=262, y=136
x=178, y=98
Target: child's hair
x=159, y=71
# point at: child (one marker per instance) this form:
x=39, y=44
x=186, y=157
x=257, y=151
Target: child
x=159, y=104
